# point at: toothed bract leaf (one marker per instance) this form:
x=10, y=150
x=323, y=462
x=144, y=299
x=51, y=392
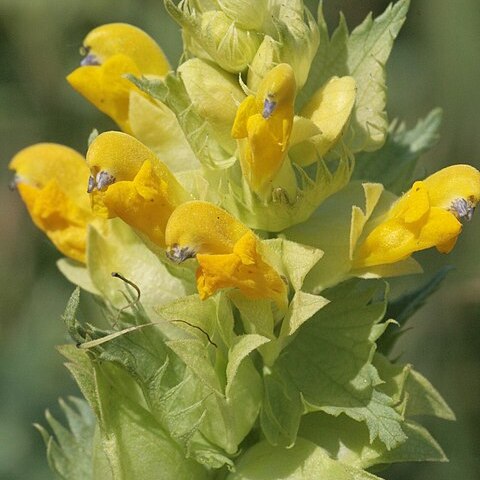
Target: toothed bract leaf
x=329, y=360
x=304, y=460
x=362, y=55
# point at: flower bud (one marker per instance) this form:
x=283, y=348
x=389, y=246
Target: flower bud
x=215, y=96
x=247, y=16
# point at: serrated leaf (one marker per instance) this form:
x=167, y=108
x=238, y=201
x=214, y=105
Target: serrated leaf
x=304, y=460
x=70, y=451
x=424, y=399
x=302, y=307
x=402, y=308
x=242, y=347
x=295, y=259
x=281, y=410
x=394, y=164
x=329, y=361
x=363, y=55
x=348, y=441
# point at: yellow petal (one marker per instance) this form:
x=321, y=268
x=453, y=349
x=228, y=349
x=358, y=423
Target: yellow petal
x=329, y=109
x=107, y=88
x=140, y=189
x=203, y=228
x=51, y=181
x=243, y=269
x=113, y=51
x=266, y=121
x=452, y=183
x=145, y=203
x=121, y=38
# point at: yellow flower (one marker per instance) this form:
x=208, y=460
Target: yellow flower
x=428, y=215
x=51, y=180
x=227, y=251
x=263, y=125
x=114, y=50
x=128, y=181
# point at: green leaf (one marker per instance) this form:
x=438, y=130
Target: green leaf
x=304, y=461
x=424, y=399
x=281, y=410
x=78, y=274
x=363, y=55
x=348, y=441
x=329, y=361
x=136, y=445
x=394, y=164
x=402, y=308
x=121, y=250
x=292, y=258
x=302, y=307
x=69, y=452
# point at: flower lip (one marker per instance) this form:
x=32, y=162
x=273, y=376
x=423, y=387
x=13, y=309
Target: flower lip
x=463, y=209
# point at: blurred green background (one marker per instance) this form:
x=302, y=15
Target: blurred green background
x=435, y=63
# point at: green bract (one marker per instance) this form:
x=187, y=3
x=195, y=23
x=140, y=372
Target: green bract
x=245, y=339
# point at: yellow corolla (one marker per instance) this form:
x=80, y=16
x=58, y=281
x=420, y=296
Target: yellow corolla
x=263, y=125
x=428, y=215
x=128, y=181
x=51, y=180
x=113, y=51
x=227, y=251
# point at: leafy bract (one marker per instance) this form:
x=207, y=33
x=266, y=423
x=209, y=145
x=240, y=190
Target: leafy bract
x=121, y=250
x=303, y=461
x=362, y=55
x=70, y=452
x=394, y=164
x=329, y=361
x=348, y=441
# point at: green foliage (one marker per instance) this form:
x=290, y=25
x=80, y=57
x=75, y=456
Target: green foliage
x=363, y=55
x=394, y=164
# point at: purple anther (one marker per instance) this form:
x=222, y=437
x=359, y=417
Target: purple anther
x=89, y=60
x=462, y=209
x=268, y=108
x=179, y=254
x=91, y=184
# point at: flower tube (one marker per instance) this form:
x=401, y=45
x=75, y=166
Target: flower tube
x=51, y=181
x=428, y=215
x=128, y=181
x=263, y=125
x=113, y=51
x=228, y=253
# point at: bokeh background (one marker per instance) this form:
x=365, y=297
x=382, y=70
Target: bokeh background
x=435, y=63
